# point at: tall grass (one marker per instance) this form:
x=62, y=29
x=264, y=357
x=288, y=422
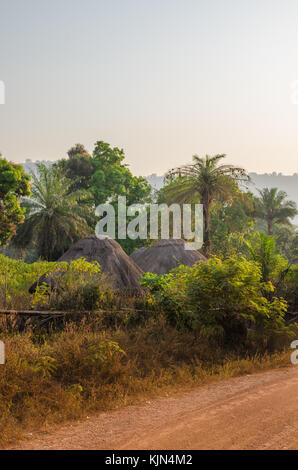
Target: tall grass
x=64, y=375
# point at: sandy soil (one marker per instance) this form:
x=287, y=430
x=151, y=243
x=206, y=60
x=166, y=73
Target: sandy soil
x=251, y=412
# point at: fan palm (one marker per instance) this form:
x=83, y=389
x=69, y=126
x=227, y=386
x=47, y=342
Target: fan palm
x=54, y=218
x=204, y=180
x=273, y=207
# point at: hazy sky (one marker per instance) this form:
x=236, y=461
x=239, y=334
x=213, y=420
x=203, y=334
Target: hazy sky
x=163, y=79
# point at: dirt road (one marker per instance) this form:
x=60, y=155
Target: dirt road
x=251, y=412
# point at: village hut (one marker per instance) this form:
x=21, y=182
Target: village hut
x=165, y=255
x=114, y=262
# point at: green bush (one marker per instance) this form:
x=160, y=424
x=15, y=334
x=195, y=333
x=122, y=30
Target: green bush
x=261, y=248
x=81, y=286
x=16, y=277
x=78, y=285
x=224, y=301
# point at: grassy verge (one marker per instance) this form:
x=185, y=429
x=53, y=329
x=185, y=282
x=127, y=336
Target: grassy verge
x=50, y=379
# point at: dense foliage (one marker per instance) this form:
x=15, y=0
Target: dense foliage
x=79, y=285
x=55, y=219
x=274, y=208
x=236, y=297
x=226, y=301
x=205, y=181
x=14, y=184
x=105, y=176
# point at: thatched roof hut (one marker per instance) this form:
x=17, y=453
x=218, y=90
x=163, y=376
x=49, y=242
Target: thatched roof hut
x=114, y=262
x=165, y=255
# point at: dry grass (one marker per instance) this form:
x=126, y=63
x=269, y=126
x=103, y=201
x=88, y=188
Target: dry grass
x=53, y=378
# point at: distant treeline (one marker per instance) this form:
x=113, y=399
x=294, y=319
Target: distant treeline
x=288, y=183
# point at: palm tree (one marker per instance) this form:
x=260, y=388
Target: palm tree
x=204, y=180
x=262, y=250
x=273, y=207
x=54, y=219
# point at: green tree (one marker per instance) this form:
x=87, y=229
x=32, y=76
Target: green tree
x=78, y=167
x=103, y=174
x=273, y=207
x=205, y=181
x=77, y=149
x=287, y=241
x=221, y=299
x=14, y=184
x=54, y=218
x=261, y=248
x=229, y=219
x=112, y=177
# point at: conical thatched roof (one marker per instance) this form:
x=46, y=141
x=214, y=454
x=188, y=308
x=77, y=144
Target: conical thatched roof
x=165, y=255
x=124, y=273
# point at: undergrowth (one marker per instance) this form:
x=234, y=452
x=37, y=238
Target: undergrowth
x=52, y=378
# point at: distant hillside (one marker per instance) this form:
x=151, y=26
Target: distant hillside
x=155, y=181
x=286, y=183
x=289, y=184
x=31, y=167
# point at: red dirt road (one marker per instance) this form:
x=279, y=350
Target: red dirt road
x=250, y=412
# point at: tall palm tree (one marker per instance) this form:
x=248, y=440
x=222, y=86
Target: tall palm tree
x=204, y=180
x=54, y=218
x=273, y=207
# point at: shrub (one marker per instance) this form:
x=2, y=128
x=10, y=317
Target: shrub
x=16, y=277
x=221, y=300
x=52, y=378
x=261, y=248
x=78, y=285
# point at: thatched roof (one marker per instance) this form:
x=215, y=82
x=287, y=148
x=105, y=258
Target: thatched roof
x=114, y=262
x=165, y=255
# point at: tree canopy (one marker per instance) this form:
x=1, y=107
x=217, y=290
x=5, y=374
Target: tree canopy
x=273, y=207
x=204, y=181
x=54, y=217
x=104, y=174
x=14, y=184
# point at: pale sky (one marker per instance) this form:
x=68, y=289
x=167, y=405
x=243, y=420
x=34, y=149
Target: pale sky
x=163, y=79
